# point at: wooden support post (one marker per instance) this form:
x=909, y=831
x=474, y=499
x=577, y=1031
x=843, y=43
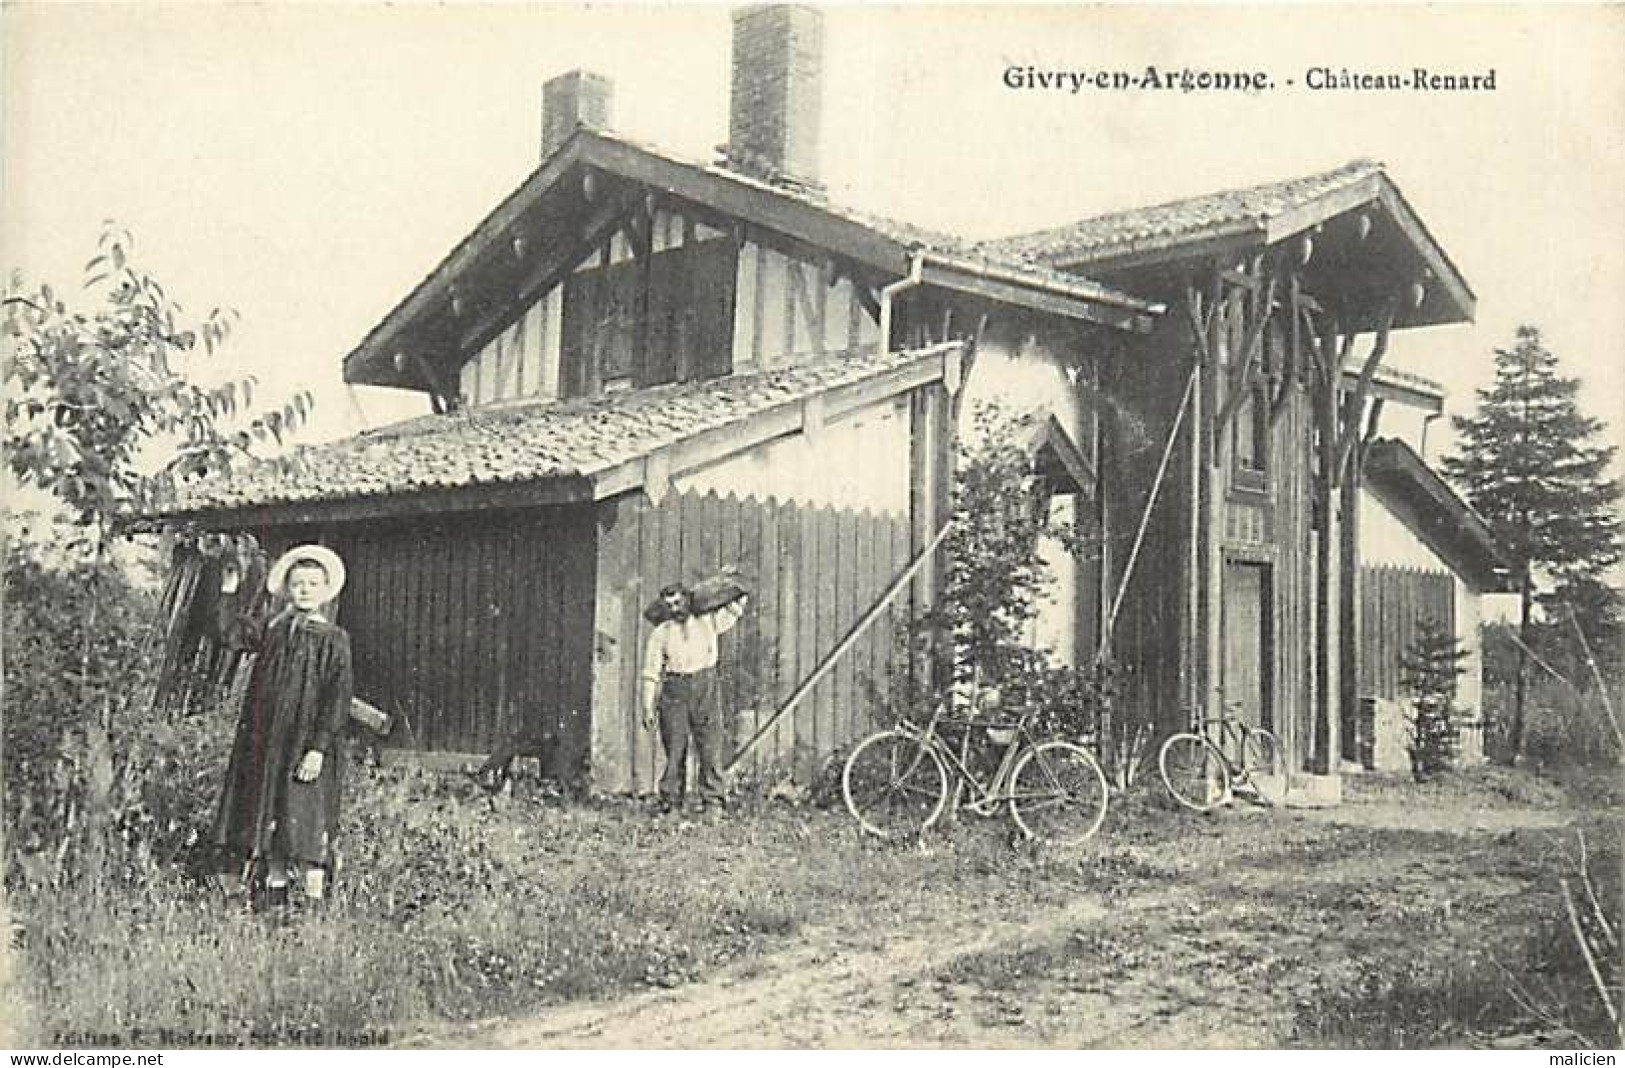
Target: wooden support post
x=643, y=254
x=1193, y=640
x=1241, y=377
x=1348, y=691
x=1212, y=703
x=1323, y=745
x=1294, y=350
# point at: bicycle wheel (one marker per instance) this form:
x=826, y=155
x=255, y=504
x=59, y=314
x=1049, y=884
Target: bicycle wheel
x=1261, y=759
x=1058, y=793
x=1194, y=771
x=894, y=785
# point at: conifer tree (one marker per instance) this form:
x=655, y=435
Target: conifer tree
x=1430, y=668
x=1533, y=465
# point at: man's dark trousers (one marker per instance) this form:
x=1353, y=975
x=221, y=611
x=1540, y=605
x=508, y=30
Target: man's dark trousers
x=687, y=711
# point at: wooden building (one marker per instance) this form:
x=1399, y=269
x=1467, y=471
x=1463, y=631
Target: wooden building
x=640, y=367
x=1424, y=554
x=1282, y=297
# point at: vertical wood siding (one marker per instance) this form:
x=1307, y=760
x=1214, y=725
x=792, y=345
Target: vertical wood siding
x=475, y=628
x=814, y=571
x=1393, y=603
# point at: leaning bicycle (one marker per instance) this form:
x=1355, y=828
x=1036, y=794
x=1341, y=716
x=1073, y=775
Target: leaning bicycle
x=898, y=782
x=1205, y=767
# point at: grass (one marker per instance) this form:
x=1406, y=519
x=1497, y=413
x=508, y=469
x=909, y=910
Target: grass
x=454, y=906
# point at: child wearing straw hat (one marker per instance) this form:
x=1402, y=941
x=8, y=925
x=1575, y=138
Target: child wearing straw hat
x=279, y=808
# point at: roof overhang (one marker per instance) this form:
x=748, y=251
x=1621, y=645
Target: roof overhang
x=1398, y=387
x=651, y=470
x=1391, y=247
x=1436, y=514
x=550, y=196
x=1058, y=457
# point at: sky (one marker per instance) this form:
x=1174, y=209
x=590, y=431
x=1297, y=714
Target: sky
x=307, y=165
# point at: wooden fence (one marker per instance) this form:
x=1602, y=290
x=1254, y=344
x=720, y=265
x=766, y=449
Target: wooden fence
x=474, y=628
x=1393, y=602
x=815, y=570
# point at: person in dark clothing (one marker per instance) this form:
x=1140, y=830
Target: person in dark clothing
x=279, y=808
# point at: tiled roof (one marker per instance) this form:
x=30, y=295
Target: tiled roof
x=1178, y=222
x=526, y=441
x=1449, y=525
x=582, y=143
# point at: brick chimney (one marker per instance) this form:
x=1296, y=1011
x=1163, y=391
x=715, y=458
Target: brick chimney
x=776, y=100
x=576, y=98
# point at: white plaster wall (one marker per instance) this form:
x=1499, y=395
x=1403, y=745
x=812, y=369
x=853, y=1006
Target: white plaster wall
x=790, y=311
x=1385, y=540
x=1025, y=373
x=859, y=461
x=1055, y=627
x=521, y=361
x=1022, y=373
x=1470, y=691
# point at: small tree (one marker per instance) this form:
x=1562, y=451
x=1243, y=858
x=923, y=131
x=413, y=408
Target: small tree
x=1429, y=670
x=102, y=415
x=1533, y=466
x=995, y=581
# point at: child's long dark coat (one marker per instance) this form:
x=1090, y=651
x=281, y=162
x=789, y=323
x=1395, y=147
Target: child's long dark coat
x=297, y=700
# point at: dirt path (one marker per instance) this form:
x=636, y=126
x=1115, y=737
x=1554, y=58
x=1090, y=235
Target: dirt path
x=1219, y=950
x=842, y=986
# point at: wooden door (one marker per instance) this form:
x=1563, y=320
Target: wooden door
x=1248, y=642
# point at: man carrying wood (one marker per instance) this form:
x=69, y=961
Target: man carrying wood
x=679, y=686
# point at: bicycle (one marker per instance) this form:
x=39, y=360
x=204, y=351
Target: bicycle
x=896, y=781
x=1200, y=772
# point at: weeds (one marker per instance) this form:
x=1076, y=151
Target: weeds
x=1555, y=982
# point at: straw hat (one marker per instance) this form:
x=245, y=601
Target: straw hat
x=320, y=554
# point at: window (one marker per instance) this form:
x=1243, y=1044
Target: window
x=1251, y=437
x=632, y=322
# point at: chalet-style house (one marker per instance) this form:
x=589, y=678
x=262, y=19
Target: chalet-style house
x=641, y=367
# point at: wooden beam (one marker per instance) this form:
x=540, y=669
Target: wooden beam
x=1071, y=307
x=866, y=296
x=1354, y=404
x=1373, y=418
x=548, y=272
x=380, y=339
x=1241, y=381
x=657, y=475
x=1400, y=392
x=953, y=368
x=1068, y=454
x=1442, y=270
x=1224, y=244
x=1241, y=279
x=762, y=207
x=1294, y=353
x=643, y=253
x=1321, y=208
x=813, y=419
x=1196, y=317
x=440, y=398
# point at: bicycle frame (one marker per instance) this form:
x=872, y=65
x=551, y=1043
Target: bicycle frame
x=1228, y=734
x=991, y=792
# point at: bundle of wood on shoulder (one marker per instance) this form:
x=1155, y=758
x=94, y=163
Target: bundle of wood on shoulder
x=706, y=595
